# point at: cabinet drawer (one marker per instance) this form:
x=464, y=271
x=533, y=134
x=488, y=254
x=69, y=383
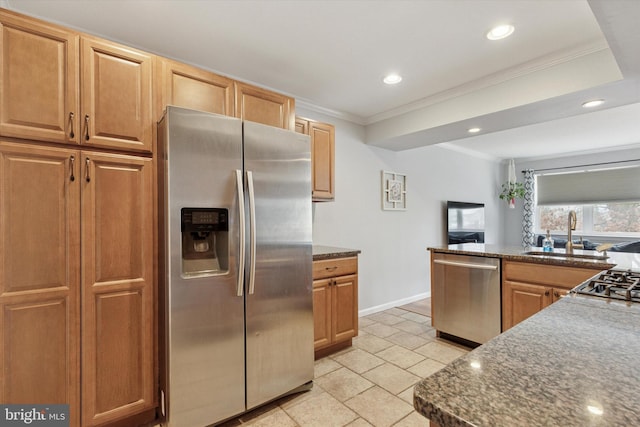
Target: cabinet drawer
x=334, y=267
x=551, y=275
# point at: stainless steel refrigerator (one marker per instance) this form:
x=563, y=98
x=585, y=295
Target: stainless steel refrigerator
x=235, y=265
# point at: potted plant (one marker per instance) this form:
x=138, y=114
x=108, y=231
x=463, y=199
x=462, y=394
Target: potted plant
x=512, y=191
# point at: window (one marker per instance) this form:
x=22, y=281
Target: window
x=606, y=201
x=606, y=219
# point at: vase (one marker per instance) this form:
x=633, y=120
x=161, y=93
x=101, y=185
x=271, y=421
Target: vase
x=512, y=203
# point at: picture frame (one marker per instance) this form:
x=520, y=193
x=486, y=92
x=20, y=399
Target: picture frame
x=394, y=191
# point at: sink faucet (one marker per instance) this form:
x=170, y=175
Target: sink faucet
x=571, y=226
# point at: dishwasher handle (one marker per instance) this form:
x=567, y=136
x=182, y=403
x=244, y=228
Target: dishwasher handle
x=465, y=264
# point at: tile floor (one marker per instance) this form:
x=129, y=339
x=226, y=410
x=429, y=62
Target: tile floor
x=370, y=383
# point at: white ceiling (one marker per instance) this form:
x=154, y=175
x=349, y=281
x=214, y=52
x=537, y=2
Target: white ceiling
x=524, y=91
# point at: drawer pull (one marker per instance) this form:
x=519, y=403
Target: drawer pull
x=334, y=268
x=72, y=133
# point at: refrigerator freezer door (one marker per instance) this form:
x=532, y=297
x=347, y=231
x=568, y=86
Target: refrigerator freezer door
x=205, y=315
x=279, y=311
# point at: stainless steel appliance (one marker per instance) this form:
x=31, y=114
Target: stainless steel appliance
x=612, y=284
x=235, y=265
x=465, y=296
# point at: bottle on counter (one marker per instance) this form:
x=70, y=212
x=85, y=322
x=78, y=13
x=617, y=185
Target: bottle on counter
x=547, y=243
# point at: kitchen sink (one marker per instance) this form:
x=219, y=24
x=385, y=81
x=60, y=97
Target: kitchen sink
x=565, y=255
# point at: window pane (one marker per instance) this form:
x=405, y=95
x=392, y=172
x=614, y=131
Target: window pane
x=616, y=218
x=555, y=218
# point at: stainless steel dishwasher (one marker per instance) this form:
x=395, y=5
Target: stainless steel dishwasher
x=465, y=296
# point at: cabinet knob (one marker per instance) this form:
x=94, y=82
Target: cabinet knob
x=546, y=293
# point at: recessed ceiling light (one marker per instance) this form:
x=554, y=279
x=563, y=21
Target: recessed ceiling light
x=500, y=32
x=474, y=130
x=593, y=103
x=392, y=79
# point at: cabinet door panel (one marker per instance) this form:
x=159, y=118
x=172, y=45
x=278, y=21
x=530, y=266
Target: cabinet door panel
x=323, y=159
x=39, y=276
x=345, y=311
x=521, y=300
x=262, y=106
x=116, y=96
x=117, y=256
x=190, y=87
x=38, y=80
x=321, y=313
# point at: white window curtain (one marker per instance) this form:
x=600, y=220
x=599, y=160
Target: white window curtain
x=529, y=208
x=589, y=187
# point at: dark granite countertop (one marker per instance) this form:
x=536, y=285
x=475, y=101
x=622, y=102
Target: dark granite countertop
x=618, y=260
x=330, y=252
x=572, y=364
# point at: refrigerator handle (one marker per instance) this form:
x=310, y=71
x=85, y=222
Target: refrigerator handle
x=252, y=234
x=240, y=186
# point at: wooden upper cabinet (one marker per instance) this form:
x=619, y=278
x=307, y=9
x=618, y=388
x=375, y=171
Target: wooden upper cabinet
x=302, y=126
x=190, y=87
x=40, y=276
x=117, y=283
x=38, y=80
x=322, y=157
x=116, y=96
x=262, y=106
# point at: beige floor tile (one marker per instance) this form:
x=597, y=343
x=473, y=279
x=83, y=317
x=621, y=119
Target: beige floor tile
x=416, y=328
x=343, y=384
x=416, y=317
x=385, y=318
x=324, y=366
x=426, y=368
x=358, y=360
x=371, y=343
x=322, y=410
x=275, y=417
x=407, y=395
x=407, y=340
x=359, y=423
x=400, y=356
x=440, y=351
x=379, y=407
x=380, y=330
x=294, y=399
x=365, y=321
x=395, y=311
x=391, y=378
x=414, y=419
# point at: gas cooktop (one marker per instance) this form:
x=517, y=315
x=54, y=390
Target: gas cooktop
x=612, y=284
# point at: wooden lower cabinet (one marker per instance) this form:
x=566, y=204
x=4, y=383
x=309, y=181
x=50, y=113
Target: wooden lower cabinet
x=527, y=288
x=39, y=277
x=76, y=282
x=335, y=303
x=117, y=284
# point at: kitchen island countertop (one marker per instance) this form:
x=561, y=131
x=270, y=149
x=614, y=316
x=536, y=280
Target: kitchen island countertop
x=329, y=252
x=572, y=364
x=617, y=260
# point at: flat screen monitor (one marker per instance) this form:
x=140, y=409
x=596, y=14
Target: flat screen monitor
x=465, y=222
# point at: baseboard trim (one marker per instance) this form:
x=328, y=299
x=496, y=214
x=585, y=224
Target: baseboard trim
x=386, y=306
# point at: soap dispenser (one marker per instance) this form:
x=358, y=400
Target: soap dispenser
x=547, y=243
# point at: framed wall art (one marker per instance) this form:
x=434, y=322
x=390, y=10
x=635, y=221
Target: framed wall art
x=394, y=191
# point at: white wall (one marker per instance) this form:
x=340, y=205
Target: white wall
x=513, y=219
x=394, y=263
